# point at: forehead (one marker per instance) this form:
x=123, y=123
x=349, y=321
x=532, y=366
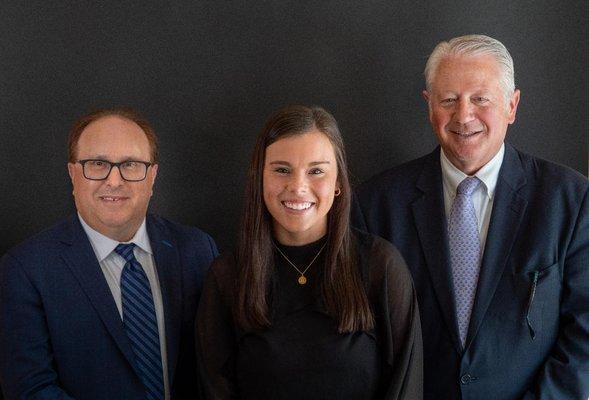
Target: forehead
x=306, y=147
x=454, y=72
x=113, y=137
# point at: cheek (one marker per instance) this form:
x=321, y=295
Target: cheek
x=270, y=196
x=84, y=189
x=270, y=190
x=326, y=191
x=490, y=118
x=439, y=118
x=143, y=192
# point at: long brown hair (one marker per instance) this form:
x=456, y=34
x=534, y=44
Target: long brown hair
x=341, y=287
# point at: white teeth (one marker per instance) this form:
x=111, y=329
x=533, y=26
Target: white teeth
x=297, y=206
x=466, y=134
x=110, y=199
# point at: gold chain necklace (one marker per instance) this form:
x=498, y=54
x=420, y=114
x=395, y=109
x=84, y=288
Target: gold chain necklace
x=302, y=279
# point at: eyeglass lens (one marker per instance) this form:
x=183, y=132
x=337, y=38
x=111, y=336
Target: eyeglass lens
x=100, y=169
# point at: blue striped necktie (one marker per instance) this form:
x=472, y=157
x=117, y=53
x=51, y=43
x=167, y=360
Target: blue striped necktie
x=140, y=322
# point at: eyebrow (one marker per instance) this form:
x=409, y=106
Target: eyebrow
x=313, y=163
x=105, y=158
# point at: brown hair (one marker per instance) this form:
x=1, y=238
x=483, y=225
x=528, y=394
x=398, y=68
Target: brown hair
x=341, y=287
x=123, y=112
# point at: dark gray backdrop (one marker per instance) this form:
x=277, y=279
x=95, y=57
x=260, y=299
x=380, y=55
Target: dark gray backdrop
x=208, y=73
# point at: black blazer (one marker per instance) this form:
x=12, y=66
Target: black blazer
x=529, y=331
x=61, y=334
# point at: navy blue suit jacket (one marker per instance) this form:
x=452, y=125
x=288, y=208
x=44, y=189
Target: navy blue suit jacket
x=61, y=335
x=529, y=331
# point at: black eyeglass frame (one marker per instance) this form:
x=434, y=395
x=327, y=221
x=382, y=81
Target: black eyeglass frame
x=114, y=164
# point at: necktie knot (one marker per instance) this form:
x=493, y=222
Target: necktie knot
x=125, y=250
x=468, y=186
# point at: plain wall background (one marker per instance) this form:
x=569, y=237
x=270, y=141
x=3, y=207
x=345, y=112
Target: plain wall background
x=208, y=74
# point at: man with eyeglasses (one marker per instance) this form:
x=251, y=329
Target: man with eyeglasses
x=101, y=306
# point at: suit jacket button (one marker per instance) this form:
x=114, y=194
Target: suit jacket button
x=465, y=379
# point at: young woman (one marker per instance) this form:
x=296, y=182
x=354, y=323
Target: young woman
x=307, y=308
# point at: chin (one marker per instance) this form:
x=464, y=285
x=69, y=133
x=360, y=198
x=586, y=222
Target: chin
x=115, y=221
x=466, y=152
x=294, y=229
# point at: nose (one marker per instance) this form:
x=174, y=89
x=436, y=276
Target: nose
x=464, y=112
x=297, y=183
x=114, y=177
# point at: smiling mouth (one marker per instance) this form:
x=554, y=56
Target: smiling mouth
x=466, y=135
x=298, y=206
x=112, y=199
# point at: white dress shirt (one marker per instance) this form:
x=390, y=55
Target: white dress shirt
x=112, y=267
x=482, y=197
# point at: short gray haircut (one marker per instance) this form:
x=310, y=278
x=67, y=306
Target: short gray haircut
x=473, y=46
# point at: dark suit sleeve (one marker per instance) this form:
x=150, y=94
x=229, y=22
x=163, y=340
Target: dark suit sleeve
x=565, y=374
x=213, y=245
x=26, y=360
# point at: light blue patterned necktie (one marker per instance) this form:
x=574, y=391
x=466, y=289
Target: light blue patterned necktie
x=465, y=251
x=140, y=322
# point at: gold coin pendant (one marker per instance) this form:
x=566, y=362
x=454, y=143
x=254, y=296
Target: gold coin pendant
x=302, y=280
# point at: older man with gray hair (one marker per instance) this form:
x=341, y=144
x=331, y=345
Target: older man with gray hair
x=497, y=240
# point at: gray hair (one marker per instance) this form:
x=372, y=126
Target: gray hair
x=472, y=46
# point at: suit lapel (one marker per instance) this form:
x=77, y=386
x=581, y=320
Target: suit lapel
x=169, y=273
x=430, y=220
x=81, y=260
x=506, y=216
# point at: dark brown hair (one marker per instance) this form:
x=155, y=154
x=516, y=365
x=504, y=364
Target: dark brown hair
x=341, y=287
x=123, y=112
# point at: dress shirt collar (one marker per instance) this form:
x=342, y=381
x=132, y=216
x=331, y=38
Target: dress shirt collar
x=103, y=245
x=488, y=174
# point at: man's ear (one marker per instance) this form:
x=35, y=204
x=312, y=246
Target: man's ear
x=513, y=103
x=71, y=171
x=154, y=168
x=425, y=95
x=152, y=173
